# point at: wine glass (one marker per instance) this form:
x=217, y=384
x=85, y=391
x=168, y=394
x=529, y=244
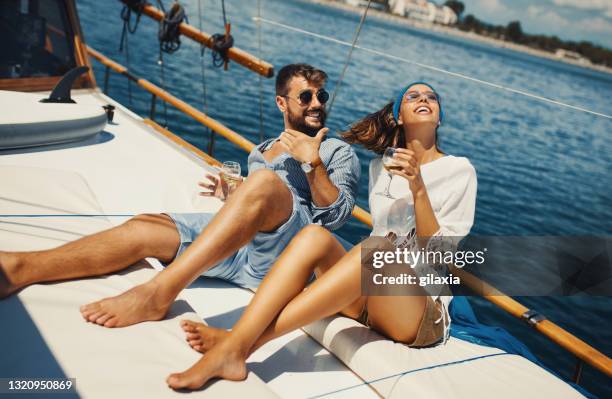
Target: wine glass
x=388, y=165
x=231, y=174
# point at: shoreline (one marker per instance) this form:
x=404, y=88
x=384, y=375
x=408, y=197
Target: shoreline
x=451, y=31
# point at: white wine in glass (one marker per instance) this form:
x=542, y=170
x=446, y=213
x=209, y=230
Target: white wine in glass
x=231, y=174
x=231, y=180
x=389, y=165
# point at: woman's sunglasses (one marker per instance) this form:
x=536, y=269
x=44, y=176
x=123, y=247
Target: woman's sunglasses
x=305, y=97
x=412, y=96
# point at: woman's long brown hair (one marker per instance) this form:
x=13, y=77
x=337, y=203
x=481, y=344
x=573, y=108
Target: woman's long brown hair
x=376, y=131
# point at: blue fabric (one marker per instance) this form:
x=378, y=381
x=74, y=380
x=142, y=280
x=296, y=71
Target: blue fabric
x=249, y=265
x=400, y=96
x=465, y=326
x=343, y=170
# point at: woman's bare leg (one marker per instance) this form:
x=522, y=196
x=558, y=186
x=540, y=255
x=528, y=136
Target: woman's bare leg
x=203, y=338
x=313, y=246
x=397, y=317
x=333, y=291
x=337, y=290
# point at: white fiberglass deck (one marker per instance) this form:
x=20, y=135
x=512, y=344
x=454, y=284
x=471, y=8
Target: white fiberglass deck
x=129, y=169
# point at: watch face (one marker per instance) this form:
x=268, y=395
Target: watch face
x=306, y=167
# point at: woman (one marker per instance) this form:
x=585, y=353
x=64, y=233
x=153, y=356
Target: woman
x=431, y=194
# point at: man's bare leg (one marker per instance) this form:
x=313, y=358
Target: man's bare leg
x=101, y=253
x=262, y=203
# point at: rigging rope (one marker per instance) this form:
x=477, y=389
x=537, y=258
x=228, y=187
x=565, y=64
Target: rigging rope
x=348, y=58
x=202, y=65
x=224, y=15
x=259, y=56
x=126, y=15
x=222, y=42
x=436, y=69
x=127, y=61
x=169, y=34
x=211, y=135
x=169, y=40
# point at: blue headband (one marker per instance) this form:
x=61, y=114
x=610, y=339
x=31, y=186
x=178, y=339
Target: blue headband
x=398, y=101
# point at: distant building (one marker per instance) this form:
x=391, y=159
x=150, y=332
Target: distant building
x=446, y=16
x=423, y=10
x=398, y=7
x=364, y=3
x=571, y=55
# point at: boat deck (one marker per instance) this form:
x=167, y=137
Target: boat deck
x=52, y=195
x=127, y=170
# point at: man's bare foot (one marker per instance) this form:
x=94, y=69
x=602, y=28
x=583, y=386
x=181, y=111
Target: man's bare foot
x=201, y=337
x=7, y=271
x=141, y=303
x=222, y=361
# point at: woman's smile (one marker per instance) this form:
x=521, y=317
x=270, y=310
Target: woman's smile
x=423, y=109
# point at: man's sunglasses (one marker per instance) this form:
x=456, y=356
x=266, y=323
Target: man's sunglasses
x=305, y=97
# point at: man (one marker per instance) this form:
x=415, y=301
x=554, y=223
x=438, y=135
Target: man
x=302, y=177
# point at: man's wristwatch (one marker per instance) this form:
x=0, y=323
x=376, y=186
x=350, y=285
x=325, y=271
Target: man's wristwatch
x=308, y=167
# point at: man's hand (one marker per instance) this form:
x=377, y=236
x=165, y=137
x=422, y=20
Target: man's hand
x=217, y=187
x=302, y=147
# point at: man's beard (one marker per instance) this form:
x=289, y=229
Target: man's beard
x=298, y=121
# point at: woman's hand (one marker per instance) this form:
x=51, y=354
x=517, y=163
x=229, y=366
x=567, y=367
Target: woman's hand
x=217, y=187
x=409, y=162
x=409, y=168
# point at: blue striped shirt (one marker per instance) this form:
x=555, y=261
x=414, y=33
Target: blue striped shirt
x=343, y=170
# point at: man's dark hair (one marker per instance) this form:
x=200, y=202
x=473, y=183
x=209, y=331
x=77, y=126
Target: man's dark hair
x=308, y=72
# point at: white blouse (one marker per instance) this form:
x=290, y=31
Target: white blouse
x=451, y=187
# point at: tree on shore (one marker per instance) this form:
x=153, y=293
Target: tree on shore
x=514, y=31
x=457, y=6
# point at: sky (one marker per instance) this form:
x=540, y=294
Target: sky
x=569, y=19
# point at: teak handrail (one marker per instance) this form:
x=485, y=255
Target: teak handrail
x=179, y=104
x=183, y=143
x=560, y=336
x=235, y=54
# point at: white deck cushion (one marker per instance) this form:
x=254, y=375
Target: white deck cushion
x=458, y=369
x=43, y=333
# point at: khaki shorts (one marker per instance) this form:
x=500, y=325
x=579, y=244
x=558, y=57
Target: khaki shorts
x=429, y=331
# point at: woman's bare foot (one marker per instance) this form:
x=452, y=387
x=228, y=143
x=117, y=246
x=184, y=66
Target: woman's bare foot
x=201, y=337
x=142, y=303
x=223, y=361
